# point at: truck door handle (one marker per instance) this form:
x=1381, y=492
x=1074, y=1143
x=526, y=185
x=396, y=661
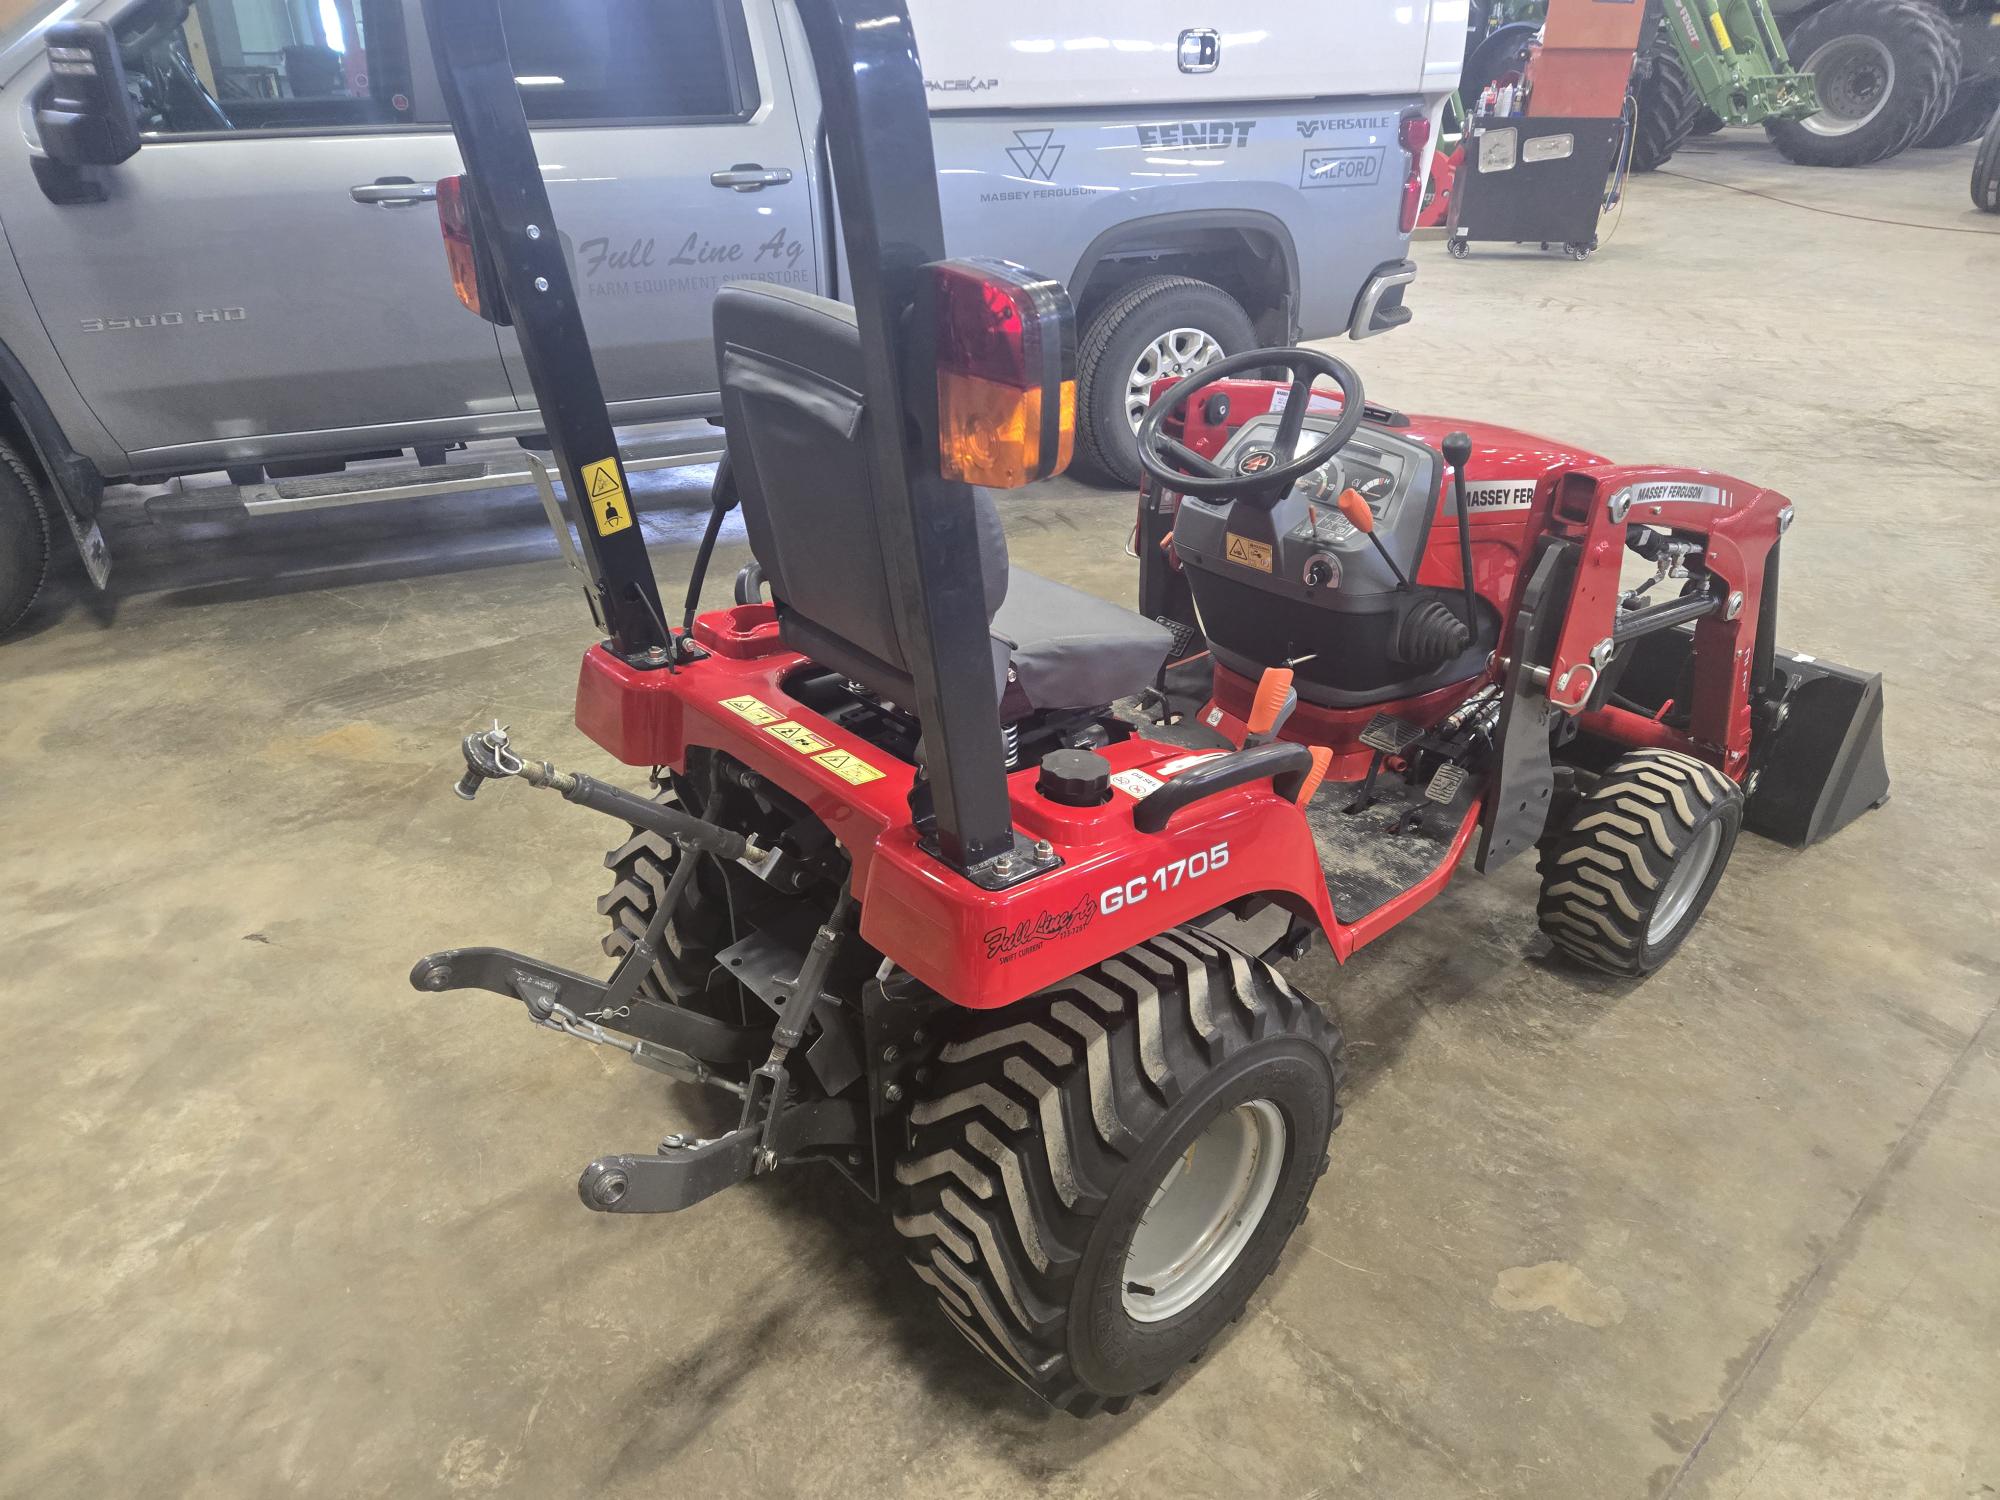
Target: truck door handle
x=748, y=177
x=394, y=191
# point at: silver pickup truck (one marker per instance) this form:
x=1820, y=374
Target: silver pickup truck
x=229, y=263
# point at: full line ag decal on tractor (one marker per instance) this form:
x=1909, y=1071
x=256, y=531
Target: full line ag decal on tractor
x=969, y=885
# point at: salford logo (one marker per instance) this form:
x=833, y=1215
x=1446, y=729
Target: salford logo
x=1036, y=154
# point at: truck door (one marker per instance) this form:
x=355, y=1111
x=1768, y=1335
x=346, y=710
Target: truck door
x=674, y=162
x=269, y=262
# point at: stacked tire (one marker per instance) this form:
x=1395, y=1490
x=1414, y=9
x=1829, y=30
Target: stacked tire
x=1986, y=170
x=1886, y=72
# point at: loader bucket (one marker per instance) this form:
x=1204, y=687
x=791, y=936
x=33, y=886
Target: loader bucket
x=1822, y=767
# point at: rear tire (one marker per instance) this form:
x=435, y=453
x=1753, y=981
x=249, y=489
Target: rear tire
x=685, y=973
x=1885, y=70
x=1965, y=117
x=1181, y=1089
x=1667, y=106
x=1626, y=881
x=24, y=539
x=1986, y=170
x=1161, y=324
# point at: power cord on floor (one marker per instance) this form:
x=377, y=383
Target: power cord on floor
x=1814, y=208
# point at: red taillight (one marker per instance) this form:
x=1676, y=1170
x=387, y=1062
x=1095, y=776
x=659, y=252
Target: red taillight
x=455, y=219
x=1413, y=134
x=1006, y=373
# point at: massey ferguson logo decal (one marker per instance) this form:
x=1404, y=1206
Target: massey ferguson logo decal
x=1036, y=154
x=1005, y=944
x=1663, y=491
x=1211, y=135
x=1505, y=495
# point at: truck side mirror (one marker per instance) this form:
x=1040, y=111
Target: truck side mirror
x=85, y=117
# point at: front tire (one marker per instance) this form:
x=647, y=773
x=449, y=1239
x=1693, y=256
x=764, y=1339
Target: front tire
x=1100, y=1176
x=1964, y=119
x=24, y=539
x=1162, y=326
x=1884, y=69
x=1667, y=108
x=1631, y=874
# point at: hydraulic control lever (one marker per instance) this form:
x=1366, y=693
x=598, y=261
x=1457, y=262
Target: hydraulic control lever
x=1458, y=453
x=489, y=757
x=1354, y=505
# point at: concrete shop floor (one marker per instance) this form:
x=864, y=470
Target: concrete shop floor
x=275, y=1224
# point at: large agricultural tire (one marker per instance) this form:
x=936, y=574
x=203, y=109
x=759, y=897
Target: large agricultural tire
x=1628, y=878
x=1706, y=122
x=1885, y=71
x=1164, y=1114
x=1986, y=170
x=1667, y=105
x=685, y=972
x=1966, y=116
x=24, y=539
x=1162, y=325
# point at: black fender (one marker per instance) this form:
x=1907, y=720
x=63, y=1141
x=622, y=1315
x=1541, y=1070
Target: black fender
x=72, y=479
x=1157, y=228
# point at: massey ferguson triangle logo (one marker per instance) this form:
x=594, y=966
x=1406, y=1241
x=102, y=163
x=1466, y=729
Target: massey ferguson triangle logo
x=1035, y=154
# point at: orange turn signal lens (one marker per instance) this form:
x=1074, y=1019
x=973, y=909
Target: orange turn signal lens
x=1006, y=373
x=455, y=219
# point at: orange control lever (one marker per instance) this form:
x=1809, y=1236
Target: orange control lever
x=1272, y=688
x=1355, y=508
x=1322, y=761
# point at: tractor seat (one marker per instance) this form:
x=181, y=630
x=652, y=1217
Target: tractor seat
x=798, y=441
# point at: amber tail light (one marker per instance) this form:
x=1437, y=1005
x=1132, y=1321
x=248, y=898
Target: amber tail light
x=472, y=275
x=1005, y=343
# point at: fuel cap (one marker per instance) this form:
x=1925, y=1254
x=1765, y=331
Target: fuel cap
x=1075, y=778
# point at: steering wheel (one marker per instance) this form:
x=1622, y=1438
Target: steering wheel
x=1179, y=467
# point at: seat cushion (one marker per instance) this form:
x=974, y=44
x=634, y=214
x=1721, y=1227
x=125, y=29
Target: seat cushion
x=1074, y=650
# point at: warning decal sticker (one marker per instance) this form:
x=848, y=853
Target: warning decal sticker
x=1136, y=783
x=605, y=492
x=754, y=709
x=849, y=767
x=1251, y=554
x=800, y=738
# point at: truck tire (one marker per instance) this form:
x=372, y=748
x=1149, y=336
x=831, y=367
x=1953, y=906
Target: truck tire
x=1627, y=879
x=1161, y=325
x=1986, y=170
x=24, y=539
x=1966, y=116
x=1163, y=1114
x=1885, y=70
x=1667, y=104
x=685, y=972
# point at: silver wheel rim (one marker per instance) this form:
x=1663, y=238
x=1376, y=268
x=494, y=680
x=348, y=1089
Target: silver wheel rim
x=1175, y=353
x=1204, y=1212
x=1684, y=883
x=1855, y=75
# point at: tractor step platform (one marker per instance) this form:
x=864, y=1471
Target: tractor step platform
x=1368, y=862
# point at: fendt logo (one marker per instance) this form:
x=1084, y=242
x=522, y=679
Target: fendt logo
x=1036, y=154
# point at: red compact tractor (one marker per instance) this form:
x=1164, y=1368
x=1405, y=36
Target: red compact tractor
x=970, y=886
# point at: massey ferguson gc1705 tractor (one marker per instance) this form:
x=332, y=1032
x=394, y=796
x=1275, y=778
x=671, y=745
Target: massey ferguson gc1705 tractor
x=953, y=882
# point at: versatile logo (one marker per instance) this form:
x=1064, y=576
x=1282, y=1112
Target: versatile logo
x=1005, y=944
x=1036, y=154
x=1346, y=166
x=1332, y=123
x=1212, y=135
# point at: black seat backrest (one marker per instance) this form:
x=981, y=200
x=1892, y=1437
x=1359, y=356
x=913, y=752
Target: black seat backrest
x=797, y=421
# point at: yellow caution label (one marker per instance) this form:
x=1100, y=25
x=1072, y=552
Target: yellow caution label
x=1250, y=554
x=756, y=710
x=850, y=767
x=800, y=738
x=604, y=492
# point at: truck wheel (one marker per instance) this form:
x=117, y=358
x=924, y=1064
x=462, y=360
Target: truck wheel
x=1986, y=170
x=1626, y=881
x=1164, y=325
x=1965, y=117
x=24, y=539
x=1667, y=105
x=1100, y=1176
x=1884, y=69
x=685, y=972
